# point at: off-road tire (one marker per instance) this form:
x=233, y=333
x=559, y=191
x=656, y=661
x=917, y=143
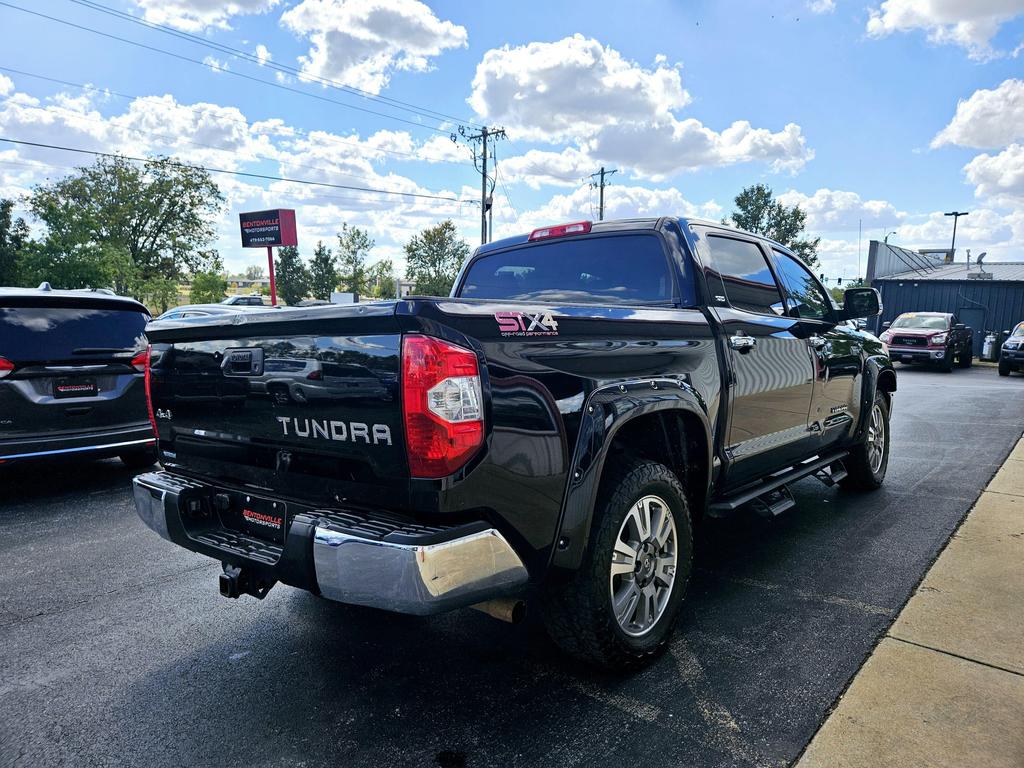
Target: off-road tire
x=946, y=366
x=577, y=611
x=139, y=459
x=860, y=476
x=1004, y=369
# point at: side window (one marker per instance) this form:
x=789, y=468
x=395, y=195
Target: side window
x=744, y=274
x=803, y=294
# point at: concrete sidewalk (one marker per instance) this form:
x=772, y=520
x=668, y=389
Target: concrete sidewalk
x=945, y=686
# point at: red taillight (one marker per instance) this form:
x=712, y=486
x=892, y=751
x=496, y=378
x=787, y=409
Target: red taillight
x=443, y=405
x=147, y=365
x=140, y=360
x=6, y=366
x=576, y=228
x=315, y=375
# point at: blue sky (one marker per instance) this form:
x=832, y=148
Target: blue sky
x=885, y=113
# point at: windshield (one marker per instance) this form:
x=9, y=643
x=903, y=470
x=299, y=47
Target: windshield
x=616, y=269
x=1019, y=330
x=40, y=334
x=922, y=322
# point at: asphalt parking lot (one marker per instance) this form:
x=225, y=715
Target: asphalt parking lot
x=115, y=648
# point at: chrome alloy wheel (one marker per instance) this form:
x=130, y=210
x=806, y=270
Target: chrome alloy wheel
x=643, y=565
x=876, y=439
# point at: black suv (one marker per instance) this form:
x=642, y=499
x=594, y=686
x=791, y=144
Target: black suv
x=72, y=365
x=1011, y=356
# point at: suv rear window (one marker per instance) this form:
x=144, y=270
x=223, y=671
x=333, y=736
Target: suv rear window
x=616, y=269
x=40, y=334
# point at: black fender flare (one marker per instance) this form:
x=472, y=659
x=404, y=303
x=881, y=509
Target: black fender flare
x=878, y=374
x=606, y=411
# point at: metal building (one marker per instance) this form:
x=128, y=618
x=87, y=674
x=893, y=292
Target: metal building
x=987, y=297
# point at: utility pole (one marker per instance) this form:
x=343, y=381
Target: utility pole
x=956, y=215
x=600, y=185
x=480, y=163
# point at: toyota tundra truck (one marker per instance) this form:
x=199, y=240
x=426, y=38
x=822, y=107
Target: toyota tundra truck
x=549, y=435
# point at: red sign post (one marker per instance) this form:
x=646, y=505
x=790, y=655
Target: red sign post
x=268, y=229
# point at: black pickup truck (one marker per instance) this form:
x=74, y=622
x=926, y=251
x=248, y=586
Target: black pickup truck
x=552, y=432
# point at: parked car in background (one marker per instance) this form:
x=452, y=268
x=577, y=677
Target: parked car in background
x=1011, y=356
x=244, y=301
x=71, y=376
x=933, y=338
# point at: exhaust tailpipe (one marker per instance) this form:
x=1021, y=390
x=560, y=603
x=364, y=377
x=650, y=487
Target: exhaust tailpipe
x=510, y=609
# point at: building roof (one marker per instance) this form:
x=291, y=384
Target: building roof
x=1007, y=271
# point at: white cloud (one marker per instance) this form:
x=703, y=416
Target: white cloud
x=538, y=168
x=999, y=178
x=821, y=6
x=441, y=149
x=833, y=210
x=360, y=42
x=615, y=110
x=970, y=24
x=984, y=229
x=197, y=15
x=6, y=85
x=263, y=54
x=216, y=64
x=571, y=89
x=989, y=119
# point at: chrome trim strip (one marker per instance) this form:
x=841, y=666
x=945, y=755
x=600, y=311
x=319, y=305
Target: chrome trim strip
x=76, y=450
x=417, y=579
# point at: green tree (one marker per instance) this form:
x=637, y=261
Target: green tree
x=434, y=258
x=162, y=215
x=291, y=275
x=758, y=211
x=254, y=272
x=354, y=246
x=380, y=279
x=158, y=293
x=323, y=272
x=208, y=286
x=13, y=238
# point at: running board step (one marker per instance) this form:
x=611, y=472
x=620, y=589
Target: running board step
x=727, y=505
x=832, y=474
x=773, y=503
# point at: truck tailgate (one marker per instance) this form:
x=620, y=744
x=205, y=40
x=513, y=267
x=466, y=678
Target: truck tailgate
x=304, y=402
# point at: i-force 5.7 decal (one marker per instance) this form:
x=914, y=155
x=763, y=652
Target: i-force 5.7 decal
x=526, y=324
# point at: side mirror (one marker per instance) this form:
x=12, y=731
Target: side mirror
x=860, y=302
x=959, y=327
x=886, y=325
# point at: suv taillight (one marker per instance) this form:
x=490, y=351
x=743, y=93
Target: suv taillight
x=140, y=360
x=6, y=366
x=442, y=403
x=147, y=363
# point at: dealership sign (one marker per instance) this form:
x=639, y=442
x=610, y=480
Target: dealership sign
x=268, y=229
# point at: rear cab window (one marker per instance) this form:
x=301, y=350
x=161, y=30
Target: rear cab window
x=44, y=333
x=631, y=268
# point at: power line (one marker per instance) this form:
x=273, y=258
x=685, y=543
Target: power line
x=173, y=139
x=284, y=68
x=247, y=174
x=213, y=109
x=483, y=139
x=242, y=75
x=600, y=186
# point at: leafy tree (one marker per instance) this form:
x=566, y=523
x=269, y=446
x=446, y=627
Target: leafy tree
x=158, y=293
x=759, y=212
x=161, y=214
x=323, y=272
x=209, y=286
x=291, y=275
x=380, y=279
x=434, y=258
x=254, y=272
x=13, y=237
x=354, y=246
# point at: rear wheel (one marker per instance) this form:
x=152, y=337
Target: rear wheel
x=867, y=463
x=139, y=459
x=619, y=609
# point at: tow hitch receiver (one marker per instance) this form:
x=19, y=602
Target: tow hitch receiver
x=234, y=582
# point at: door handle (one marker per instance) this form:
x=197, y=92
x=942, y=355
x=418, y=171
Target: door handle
x=817, y=341
x=741, y=342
